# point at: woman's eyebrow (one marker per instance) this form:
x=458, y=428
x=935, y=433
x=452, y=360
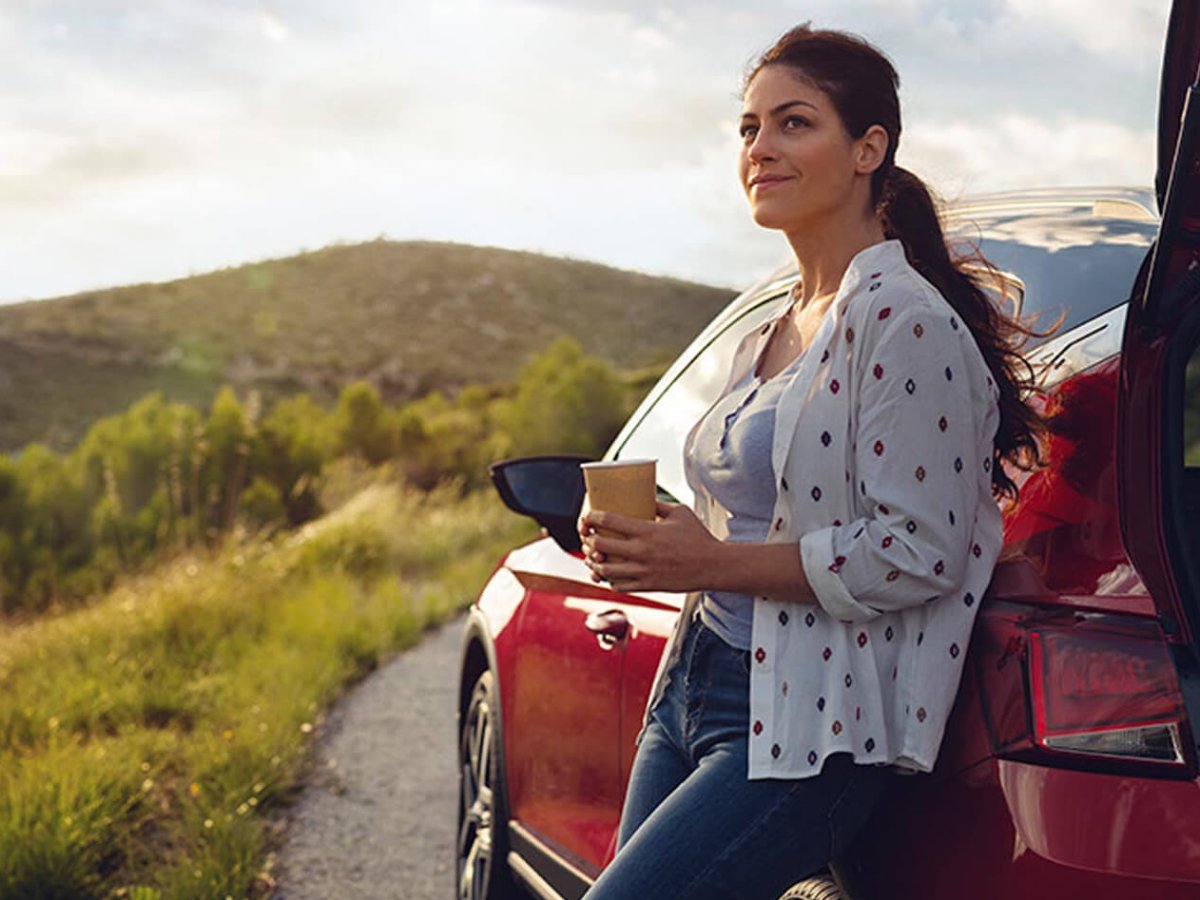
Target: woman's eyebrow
x=781, y=107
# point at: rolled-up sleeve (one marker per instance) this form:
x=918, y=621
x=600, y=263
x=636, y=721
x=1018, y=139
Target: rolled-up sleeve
x=917, y=469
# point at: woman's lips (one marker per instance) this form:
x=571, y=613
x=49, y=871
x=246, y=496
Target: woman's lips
x=769, y=181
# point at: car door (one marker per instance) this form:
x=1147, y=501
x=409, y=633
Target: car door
x=562, y=721
x=1158, y=415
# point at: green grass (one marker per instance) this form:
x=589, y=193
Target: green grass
x=148, y=741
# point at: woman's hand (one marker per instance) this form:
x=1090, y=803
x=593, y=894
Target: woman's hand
x=673, y=553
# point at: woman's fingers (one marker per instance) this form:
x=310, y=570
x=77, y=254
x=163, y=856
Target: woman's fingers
x=619, y=546
x=596, y=550
x=615, y=573
x=615, y=522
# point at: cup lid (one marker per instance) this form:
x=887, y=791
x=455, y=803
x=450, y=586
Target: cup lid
x=616, y=462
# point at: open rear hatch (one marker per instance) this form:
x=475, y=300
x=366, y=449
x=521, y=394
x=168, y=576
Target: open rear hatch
x=1158, y=430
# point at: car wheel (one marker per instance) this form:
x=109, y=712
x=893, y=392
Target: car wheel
x=814, y=889
x=482, y=870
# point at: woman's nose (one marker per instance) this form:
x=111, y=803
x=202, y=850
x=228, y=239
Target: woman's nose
x=760, y=148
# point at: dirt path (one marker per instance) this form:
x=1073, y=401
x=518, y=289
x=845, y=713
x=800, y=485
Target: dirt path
x=377, y=819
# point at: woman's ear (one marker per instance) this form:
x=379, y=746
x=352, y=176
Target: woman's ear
x=872, y=150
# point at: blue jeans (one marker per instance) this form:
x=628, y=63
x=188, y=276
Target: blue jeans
x=694, y=826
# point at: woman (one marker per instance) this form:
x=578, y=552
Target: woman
x=845, y=520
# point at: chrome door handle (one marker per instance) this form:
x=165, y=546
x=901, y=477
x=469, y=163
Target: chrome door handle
x=610, y=627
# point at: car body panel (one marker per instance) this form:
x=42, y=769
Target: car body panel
x=566, y=716
x=560, y=693
x=971, y=846
x=1138, y=827
x=1062, y=534
x=562, y=774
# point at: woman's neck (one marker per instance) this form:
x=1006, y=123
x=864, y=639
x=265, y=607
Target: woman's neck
x=823, y=254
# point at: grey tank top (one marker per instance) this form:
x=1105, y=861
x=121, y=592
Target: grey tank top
x=731, y=454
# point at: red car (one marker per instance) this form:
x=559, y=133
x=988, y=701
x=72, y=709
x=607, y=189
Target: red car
x=1069, y=767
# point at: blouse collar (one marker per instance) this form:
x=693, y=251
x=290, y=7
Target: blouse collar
x=883, y=256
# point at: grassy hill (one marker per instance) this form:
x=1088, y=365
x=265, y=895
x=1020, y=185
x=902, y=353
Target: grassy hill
x=408, y=317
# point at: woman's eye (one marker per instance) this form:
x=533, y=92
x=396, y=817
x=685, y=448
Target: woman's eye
x=748, y=131
x=795, y=122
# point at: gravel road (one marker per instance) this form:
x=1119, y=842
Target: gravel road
x=377, y=818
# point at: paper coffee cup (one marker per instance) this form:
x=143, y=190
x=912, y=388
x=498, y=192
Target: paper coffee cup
x=627, y=486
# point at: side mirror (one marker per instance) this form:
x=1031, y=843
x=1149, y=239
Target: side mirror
x=548, y=489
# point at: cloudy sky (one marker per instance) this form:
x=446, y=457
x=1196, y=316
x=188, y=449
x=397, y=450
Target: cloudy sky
x=150, y=140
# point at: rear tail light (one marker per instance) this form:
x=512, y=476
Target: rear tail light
x=1091, y=690
x=1105, y=694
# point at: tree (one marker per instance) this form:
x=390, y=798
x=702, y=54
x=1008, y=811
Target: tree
x=132, y=462
x=362, y=424
x=227, y=441
x=565, y=402
x=44, y=515
x=295, y=442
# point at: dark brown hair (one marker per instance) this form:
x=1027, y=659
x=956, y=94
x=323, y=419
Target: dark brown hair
x=863, y=86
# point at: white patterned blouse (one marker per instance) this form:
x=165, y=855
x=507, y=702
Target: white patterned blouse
x=882, y=457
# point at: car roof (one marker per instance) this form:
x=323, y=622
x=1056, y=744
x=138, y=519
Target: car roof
x=1107, y=202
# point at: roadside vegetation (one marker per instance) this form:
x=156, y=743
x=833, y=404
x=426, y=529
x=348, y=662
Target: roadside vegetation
x=146, y=742
x=165, y=477
x=186, y=591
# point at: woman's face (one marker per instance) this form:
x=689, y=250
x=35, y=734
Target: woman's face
x=797, y=164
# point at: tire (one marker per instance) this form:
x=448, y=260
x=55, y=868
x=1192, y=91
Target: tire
x=481, y=871
x=820, y=888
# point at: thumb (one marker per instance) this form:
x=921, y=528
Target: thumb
x=663, y=509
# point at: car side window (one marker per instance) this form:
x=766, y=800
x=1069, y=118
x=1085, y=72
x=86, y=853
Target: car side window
x=661, y=432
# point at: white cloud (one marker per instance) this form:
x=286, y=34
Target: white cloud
x=652, y=37
x=1129, y=30
x=1018, y=150
x=272, y=27
x=60, y=175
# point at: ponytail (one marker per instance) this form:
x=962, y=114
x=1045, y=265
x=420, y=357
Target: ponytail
x=909, y=214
